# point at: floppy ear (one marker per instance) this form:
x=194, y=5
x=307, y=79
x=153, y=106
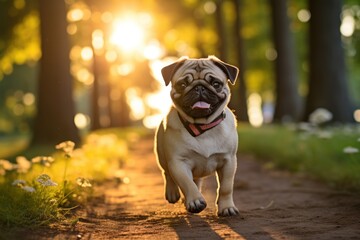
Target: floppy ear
x=169, y=71
x=230, y=70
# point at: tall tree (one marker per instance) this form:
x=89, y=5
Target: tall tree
x=55, y=107
x=240, y=103
x=328, y=84
x=287, y=106
x=220, y=28
x=99, y=99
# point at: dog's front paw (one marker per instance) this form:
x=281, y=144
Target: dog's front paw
x=229, y=211
x=196, y=206
x=172, y=193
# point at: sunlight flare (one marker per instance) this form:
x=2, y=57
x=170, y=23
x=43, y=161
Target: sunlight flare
x=159, y=101
x=128, y=35
x=347, y=27
x=136, y=104
x=304, y=15
x=86, y=53
x=151, y=107
x=153, y=51
x=98, y=39
x=254, y=110
x=81, y=120
x=357, y=115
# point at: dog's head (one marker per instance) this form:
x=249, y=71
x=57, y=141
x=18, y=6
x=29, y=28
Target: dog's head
x=200, y=90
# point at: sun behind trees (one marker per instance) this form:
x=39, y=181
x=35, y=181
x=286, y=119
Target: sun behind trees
x=77, y=75
x=108, y=73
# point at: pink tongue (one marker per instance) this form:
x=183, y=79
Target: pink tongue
x=201, y=105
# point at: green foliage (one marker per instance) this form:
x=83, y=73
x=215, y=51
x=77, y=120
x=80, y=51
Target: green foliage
x=23, y=46
x=11, y=145
x=352, y=46
x=17, y=102
x=318, y=152
x=44, y=189
x=186, y=27
x=22, y=208
x=257, y=37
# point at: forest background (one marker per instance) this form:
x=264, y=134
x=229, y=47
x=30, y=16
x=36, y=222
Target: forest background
x=70, y=67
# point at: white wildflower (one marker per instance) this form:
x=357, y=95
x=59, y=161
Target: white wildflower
x=5, y=164
x=306, y=127
x=320, y=115
x=350, y=150
x=19, y=183
x=23, y=165
x=324, y=134
x=45, y=180
x=83, y=182
x=22, y=184
x=28, y=189
x=44, y=160
x=67, y=147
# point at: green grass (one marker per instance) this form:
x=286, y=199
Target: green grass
x=307, y=151
x=11, y=145
x=101, y=155
x=104, y=152
x=25, y=209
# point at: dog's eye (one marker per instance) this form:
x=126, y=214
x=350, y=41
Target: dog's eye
x=216, y=84
x=180, y=86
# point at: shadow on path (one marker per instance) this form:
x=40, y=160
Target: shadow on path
x=273, y=205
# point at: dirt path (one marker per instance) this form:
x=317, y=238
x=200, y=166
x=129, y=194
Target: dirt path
x=273, y=205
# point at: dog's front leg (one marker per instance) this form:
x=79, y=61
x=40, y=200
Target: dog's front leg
x=172, y=193
x=181, y=173
x=225, y=177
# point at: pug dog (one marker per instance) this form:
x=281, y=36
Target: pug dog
x=198, y=136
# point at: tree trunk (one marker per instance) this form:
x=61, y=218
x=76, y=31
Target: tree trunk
x=287, y=106
x=220, y=28
x=119, y=109
x=55, y=107
x=328, y=85
x=239, y=102
x=96, y=90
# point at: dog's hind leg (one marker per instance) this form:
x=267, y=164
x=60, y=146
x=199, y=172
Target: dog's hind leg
x=172, y=193
x=225, y=177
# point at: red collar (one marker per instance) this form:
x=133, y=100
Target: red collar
x=197, y=129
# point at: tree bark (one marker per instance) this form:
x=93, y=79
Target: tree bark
x=119, y=109
x=327, y=84
x=55, y=107
x=98, y=65
x=287, y=106
x=239, y=103
x=220, y=28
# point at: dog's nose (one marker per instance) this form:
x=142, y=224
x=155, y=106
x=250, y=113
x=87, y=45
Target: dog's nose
x=199, y=89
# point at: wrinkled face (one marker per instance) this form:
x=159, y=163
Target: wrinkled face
x=199, y=88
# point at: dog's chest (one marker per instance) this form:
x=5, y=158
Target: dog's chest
x=202, y=166
x=209, y=154
x=208, y=147
x=214, y=143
